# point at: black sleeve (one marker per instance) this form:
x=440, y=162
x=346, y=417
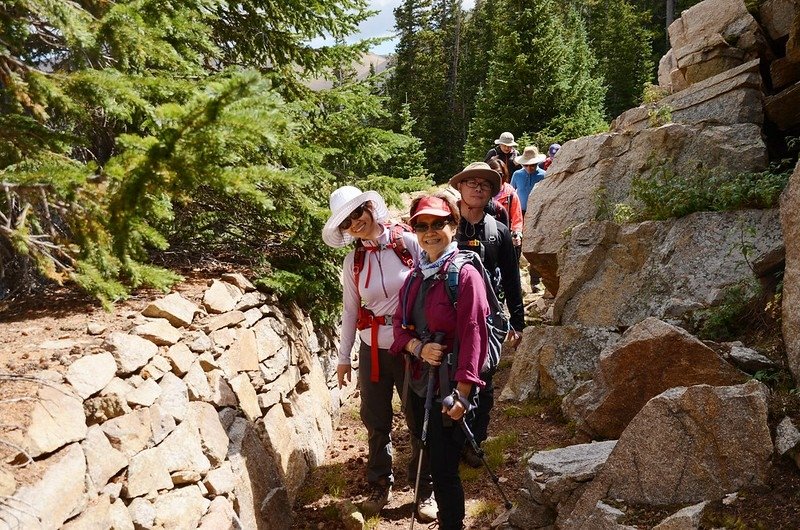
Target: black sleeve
x=509, y=271
x=489, y=154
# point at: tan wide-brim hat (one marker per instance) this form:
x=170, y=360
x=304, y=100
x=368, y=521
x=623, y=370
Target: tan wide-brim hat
x=506, y=139
x=342, y=202
x=530, y=156
x=478, y=170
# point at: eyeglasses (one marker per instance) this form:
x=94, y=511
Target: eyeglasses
x=421, y=228
x=355, y=214
x=475, y=184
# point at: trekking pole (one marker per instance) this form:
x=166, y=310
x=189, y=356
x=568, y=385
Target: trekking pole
x=448, y=403
x=438, y=338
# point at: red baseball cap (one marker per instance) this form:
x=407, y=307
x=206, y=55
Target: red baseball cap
x=431, y=205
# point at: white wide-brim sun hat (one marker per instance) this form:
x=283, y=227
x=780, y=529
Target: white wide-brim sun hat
x=342, y=202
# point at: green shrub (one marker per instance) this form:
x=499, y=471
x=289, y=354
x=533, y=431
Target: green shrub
x=665, y=194
x=725, y=321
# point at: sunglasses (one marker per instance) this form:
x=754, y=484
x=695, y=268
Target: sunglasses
x=355, y=214
x=421, y=228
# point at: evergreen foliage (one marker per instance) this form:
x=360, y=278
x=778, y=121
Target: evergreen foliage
x=424, y=77
x=131, y=127
x=539, y=79
x=622, y=43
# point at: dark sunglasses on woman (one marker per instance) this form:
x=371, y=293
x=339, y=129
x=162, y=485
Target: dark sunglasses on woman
x=421, y=228
x=355, y=214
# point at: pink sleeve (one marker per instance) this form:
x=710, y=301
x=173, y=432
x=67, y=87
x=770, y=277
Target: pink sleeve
x=471, y=329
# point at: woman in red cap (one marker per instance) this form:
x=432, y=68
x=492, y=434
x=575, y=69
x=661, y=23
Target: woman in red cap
x=427, y=326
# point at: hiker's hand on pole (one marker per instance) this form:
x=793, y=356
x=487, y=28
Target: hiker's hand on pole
x=432, y=353
x=344, y=374
x=454, y=406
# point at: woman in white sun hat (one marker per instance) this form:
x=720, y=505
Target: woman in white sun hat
x=372, y=274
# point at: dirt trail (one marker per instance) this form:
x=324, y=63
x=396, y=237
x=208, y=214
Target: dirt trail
x=518, y=429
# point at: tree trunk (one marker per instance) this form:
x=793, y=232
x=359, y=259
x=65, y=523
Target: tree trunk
x=670, y=17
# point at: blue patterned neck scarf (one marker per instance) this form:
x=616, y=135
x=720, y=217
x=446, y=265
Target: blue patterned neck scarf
x=427, y=268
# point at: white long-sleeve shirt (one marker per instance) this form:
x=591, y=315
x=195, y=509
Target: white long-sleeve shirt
x=385, y=273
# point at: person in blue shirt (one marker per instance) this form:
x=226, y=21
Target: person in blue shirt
x=523, y=180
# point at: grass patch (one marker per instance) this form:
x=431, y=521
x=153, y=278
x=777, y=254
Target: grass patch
x=504, y=363
x=493, y=449
x=328, y=480
x=372, y=523
x=483, y=509
x=534, y=407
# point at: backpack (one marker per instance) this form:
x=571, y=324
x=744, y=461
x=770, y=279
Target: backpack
x=497, y=325
x=490, y=233
x=482, y=247
x=396, y=243
x=496, y=209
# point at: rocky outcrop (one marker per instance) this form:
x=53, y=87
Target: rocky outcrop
x=685, y=446
x=790, y=222
x=730, y=97
x=684, y=519
x=603, y=166
x=651, y=357
x=182, y=423
x=787, y=440
x=551, y=360
x=556, y=479
x=615, y=276
x=712, y=37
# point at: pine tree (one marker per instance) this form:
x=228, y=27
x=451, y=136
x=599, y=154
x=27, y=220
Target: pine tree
x=539, y=80
x=425, y=77
x=130, y=126
x=622, y=43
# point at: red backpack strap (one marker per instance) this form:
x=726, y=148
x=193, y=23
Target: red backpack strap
x=399, y=245
x=358, y=264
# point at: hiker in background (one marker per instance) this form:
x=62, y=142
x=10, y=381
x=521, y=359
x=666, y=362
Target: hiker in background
x=505, y=150
x=372, y=275
x=509, y=200
x=523, y=181
x=481, y=233
x=551, y=152
x=425, y=310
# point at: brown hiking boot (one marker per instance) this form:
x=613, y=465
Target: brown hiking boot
x=379, y=497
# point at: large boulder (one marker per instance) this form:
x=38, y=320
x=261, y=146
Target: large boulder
x=551, y=360
x=604, y=165
x=556, y=479
x=733, y=96
x=790, y=307
x=714, y=36
x=651, y=357
x=616, y=276
x=685, y=446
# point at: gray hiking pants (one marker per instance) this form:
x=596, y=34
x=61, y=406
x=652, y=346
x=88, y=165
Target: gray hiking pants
x=376, y=414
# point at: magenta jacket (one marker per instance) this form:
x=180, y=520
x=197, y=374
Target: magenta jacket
x=468, y=322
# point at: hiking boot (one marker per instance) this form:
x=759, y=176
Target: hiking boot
x=427, y=509
x=470, y=457
x=379, y=497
